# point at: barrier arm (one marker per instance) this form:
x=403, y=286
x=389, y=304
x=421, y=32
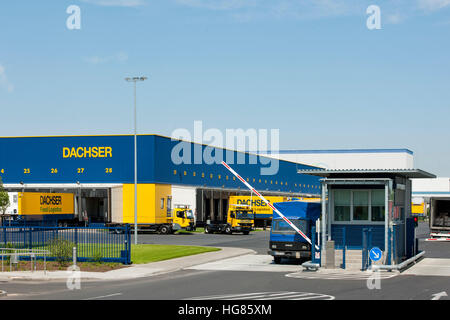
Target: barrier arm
x=270, y=205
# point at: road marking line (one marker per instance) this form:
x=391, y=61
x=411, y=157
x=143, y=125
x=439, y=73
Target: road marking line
x=229, y=295
x=266, y=295
x=106, y=296
x=325, y=297
x=293, y=295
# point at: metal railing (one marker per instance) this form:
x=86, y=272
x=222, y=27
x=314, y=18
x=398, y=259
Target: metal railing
x=106, y=244
x=15, y=254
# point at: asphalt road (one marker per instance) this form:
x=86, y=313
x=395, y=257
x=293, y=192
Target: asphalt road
x=258, y=240
x=245, y=283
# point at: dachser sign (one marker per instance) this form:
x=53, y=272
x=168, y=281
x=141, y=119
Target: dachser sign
x=35, y=203
x=51, y=200
x=87, y=152
x=258, y=206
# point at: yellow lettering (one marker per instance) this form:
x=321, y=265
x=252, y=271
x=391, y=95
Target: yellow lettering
x=94, y=152
x=87, y=151
x=108, y=152
x=66, y=152
x=78, y=152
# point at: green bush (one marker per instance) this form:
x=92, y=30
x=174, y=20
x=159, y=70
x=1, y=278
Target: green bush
x=8, y=246
x=62, y=250
x=97, y=256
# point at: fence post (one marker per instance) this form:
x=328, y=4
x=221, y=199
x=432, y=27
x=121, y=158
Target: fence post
x=313, y=242
x=76, y=235
x=394, y=243
x=30, y=238
x=129, y=243
x=74, y=256
x=369, y=246
x=344, y=246
x=364, y=250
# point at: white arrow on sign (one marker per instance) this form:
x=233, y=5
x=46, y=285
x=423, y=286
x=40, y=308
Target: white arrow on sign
x=439, y=295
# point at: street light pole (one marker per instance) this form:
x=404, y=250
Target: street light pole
x=135, y=80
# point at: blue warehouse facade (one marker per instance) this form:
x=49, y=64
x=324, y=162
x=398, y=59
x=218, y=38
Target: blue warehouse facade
x=99, y=170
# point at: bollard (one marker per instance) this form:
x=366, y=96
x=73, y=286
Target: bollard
x=74, y=257
x=330, y=264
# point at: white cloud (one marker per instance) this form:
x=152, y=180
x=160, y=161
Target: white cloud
x=116, y=3
x=4, y=82
x=395, y=18
x=433, y=5
x=119, y=57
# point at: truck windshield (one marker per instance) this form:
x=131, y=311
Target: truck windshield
x=189, y=214
x=281, y=226
x=240, y=214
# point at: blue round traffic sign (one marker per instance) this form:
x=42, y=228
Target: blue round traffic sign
x=375, y=254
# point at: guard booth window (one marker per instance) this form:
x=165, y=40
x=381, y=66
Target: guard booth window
x=342, y=205
x=361, y=205
x=358, y=205
x=378, y=211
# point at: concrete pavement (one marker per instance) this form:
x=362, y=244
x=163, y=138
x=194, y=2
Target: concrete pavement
x=133, y=271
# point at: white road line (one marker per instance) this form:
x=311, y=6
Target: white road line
x=324, y=297
x=289, y=295
x=229, y=296
x=267, y=295
x=106, y=296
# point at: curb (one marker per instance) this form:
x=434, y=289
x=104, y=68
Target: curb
x=203, y=262
x=188, y=264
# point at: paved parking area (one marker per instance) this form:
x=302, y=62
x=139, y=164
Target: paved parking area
x=249, y=262
x=430, y=267
x=257, y=240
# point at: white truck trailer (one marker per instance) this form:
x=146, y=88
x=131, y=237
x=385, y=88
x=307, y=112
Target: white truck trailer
x=440, y=218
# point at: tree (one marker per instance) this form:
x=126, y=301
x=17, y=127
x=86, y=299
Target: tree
x=4, y=198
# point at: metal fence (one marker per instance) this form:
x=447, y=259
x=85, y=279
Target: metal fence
x=93, y=243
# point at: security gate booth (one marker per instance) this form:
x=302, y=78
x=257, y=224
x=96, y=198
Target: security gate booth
x=363, y=209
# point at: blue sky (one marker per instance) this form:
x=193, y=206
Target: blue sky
x=310, y=68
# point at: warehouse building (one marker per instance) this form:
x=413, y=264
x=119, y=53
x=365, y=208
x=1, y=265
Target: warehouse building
x=99, y=171
x=347, y=159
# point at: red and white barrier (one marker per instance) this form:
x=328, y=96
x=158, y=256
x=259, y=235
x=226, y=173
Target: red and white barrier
x=269, y=204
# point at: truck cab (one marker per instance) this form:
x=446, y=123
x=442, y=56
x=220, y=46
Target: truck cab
x=183, y=218
x=240, y=218
x=285, y=242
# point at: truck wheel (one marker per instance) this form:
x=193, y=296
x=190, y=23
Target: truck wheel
x=164, y=230
x=246, y=232
x=277, y=260
x=228, y=230
x=207, y=230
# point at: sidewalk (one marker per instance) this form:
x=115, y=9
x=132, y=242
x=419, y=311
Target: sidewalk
x=133, y=271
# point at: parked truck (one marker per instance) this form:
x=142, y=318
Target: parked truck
x=285, y=242
x=41, y=208
x=179, y=218
x=240, y=218
x=440, y=218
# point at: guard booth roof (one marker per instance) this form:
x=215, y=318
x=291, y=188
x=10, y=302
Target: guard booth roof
x=298, y=210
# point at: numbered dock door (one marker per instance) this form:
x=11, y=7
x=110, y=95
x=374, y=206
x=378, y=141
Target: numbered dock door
x=95, y=205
